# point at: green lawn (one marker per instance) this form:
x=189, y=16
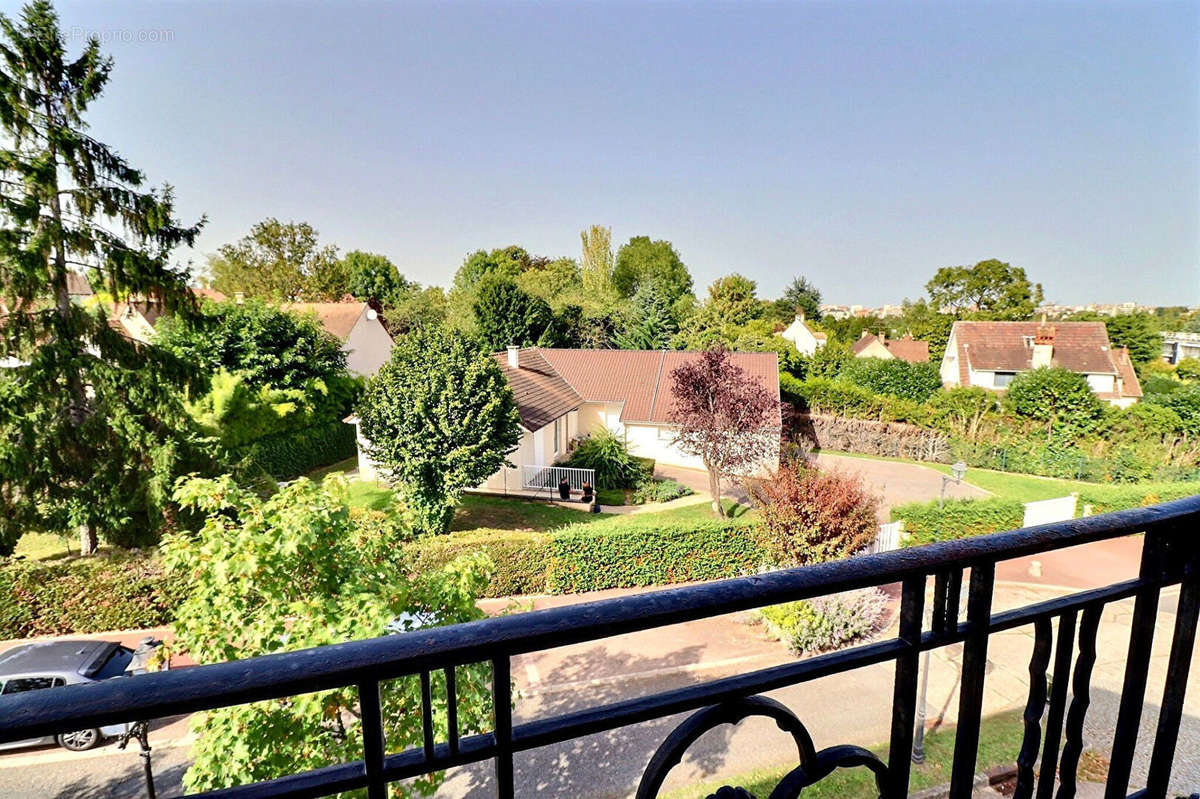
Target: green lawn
x=340, y=466
x=44, y=546
x=999, y=741
x=700, y=511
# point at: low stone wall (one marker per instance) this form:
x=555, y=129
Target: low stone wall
x=870, y=437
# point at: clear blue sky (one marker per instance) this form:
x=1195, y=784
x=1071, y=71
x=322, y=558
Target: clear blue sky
x=863, y=145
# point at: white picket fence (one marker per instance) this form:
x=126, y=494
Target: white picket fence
x=538, y=478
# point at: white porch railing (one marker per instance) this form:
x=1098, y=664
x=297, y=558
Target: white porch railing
x=537, y=478
x=887, y=539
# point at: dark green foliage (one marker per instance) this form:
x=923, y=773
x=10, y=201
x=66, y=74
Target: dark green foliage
x=86, y=595
x=293, y=453
x=827, y=361
x=1188, y=369
x=961, y=410
x=842, y=398
x=507, y=315
x=896, y=378
x=370, y=276
x=1138, y=332
x=642, y=263
x=92, y=428
x=270, y=346
x=925, y=523
x=651, y=322
x=608, y=456
x=1058, y=397
x=660, y=491
x=800, y=296
x=441, y=418
x=591, y=558
x=1185, y=402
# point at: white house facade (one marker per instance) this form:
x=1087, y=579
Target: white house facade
x=563, y=395
x=357, y=325
x=803, y=338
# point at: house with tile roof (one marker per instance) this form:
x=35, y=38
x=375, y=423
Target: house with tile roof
x=905, y=348
x=803, y=337
x=563, y=395
x=990, y=354
x=357, y=325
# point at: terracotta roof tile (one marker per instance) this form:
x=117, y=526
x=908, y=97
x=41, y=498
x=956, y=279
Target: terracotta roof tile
x=542, y=395
x=1130, y=387
x=909, y=349
x=864, y=342
x=338, y=318
x=1000, y=346
x=640, y=379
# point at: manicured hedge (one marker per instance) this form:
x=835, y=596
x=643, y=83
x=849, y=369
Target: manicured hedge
x=592, y=557
x=86, y=595
x=520, y=558
x=296, y=452
x=925, y=523
x=1106, y=498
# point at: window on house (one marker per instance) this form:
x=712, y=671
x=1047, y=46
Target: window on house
x=1028, y=340
x=1002, y=379
x=557, y=435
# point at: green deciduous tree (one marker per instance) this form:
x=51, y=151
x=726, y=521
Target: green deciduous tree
x=300, y=570
x=991, y=286
x=597, y=264
x=92, y=428
x=370, y=276
x=1188, y=369
x=641, y=261
x=270, y=346
x=441, y=418
x=1058, y=397
x=731, y=304
x=280, y=261
x=417, y=309
x=1138, y=332
x=961, y=410
x=504, y=315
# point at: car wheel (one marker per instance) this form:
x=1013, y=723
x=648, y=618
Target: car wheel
x=79, y=741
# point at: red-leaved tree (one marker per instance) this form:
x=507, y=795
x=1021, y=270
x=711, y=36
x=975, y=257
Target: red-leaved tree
x=725, y=417
x=810, y=516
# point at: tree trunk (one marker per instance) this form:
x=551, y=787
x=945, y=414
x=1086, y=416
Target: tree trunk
x=87, y=540
x=714, y=485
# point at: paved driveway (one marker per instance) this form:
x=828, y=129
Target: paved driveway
x=895, y=482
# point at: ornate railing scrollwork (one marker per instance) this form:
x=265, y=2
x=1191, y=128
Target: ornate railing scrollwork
x=814, y=766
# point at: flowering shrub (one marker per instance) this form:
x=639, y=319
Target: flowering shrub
x=809, y=516
x=826, y=623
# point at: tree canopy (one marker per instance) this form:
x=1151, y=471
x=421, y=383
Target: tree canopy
x=370, y=276
x=301, y=569
x=271, y=347
x=92, y=428
x=993, y=287
x=280, y=261
x=1139, y=333
x=440, y=418
x=800, y=296
x=1058, y=397
x=507, y=315
x=641, y=262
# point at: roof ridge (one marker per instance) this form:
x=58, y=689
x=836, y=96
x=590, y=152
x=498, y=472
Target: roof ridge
x=554, y=369
x=662, y=358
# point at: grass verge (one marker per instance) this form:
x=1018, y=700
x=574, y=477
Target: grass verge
x=999, y=741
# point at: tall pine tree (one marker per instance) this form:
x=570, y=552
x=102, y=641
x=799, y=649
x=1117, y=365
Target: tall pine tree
x=92, y=432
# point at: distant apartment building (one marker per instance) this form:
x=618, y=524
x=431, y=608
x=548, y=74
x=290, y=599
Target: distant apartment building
x=1177, y=346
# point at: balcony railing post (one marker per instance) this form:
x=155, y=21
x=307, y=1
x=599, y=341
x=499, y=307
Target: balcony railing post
x=373, y=740
x=974, y=670
x=904, y=695
x=1171, y=712
x=1137, y=662
x=502, y=711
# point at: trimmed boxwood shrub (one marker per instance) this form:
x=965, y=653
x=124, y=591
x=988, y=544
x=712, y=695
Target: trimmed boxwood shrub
x=1106, y=498
x=925, y=523
x=519, y=558
x=86, y=595
x=296, y=452
x=592, y=557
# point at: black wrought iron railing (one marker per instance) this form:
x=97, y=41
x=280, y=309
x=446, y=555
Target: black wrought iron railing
x=1046, y=761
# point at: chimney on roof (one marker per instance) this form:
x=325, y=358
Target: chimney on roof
x=800, y=315
x=882, y=336
x=865, y=333
x=513, y=360
x=1043, y=345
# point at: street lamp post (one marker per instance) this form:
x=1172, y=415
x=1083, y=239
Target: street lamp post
x=957, y=471
x=918, y=750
